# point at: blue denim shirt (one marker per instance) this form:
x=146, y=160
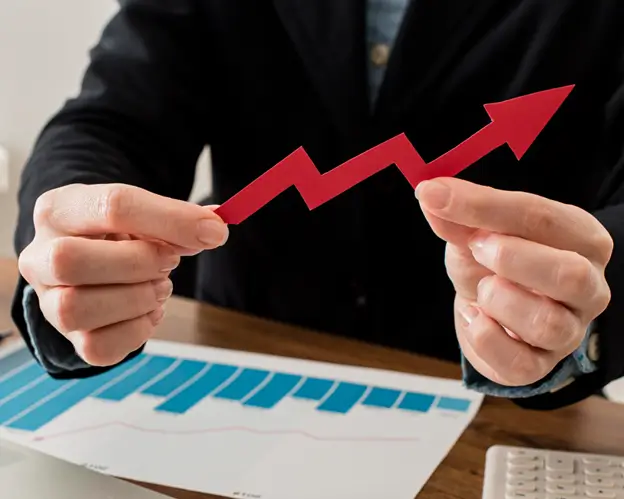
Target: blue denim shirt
x=383, y=21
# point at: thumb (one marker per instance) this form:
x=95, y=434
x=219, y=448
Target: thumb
x=92, y=210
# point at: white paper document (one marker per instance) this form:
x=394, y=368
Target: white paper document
x=241, y=425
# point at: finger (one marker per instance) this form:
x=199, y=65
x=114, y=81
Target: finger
x=564, y=276
x=78, y=261
x=116, y=208
x=536, y=319
x=458, y=235
x=463, y=270
x=92, y=307
x=112, y=344
x=518, y=214
x=496, y=355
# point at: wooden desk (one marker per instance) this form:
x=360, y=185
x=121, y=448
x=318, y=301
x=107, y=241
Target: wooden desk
x=594, y=425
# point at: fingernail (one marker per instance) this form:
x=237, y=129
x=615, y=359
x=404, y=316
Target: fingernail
x=484, y=290
x=434, y=195
x=212, y=232
x=484, y=250
x=157, y=315
x=469, y=313
x=163, y=289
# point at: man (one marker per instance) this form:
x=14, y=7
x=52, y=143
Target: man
x=502, y=268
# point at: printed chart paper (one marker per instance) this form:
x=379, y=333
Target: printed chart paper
x=241, y=425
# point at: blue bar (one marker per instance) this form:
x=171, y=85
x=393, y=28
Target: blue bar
x=419, y=402
x=313, y=389
x=275, y=390
x=11, y=407
x=20, y=379
x=15, y=360
x=198, y=390
x=381, y=397
x=130, y=384
x=343, y=398
x=242, y=385
x=453, y=404
x=175, y=379
x=68, y=398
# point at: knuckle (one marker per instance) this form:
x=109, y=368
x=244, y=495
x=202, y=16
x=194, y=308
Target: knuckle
x=480, y=340
x=552, y=326
x=603, y=242
x=60, y=261
x=136, y=259
x=89, y=348
x=96, y=352
x=463, y=271
x=576, y=275
x=115, y=205
x=44, y=208
x=538, y=218
x=26, y=264
x=67, y=309
x=524, y=367
x=602, y=297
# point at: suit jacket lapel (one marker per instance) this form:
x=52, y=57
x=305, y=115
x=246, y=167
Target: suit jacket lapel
x=330, y=37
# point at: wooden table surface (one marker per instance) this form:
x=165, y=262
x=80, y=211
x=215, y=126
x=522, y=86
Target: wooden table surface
x=594, y=425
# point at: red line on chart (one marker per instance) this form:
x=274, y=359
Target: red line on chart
x=224, y=429
x=516, y=122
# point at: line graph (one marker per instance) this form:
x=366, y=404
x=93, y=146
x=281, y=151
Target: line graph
x=516, y=122
x=224, y=429
x=221, y=421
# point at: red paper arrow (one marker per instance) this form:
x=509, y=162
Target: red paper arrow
x=516, y=122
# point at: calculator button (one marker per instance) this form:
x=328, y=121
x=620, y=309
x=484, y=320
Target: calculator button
x=522, y=473
x=603, y=461
x=599, y=481
x=591, y=492
x=524, y=463
x=518, y=494
x=563, y=496
x=560, y=488
x=520, y=484
x=522, y=453
x=602, y=471
x=560, y=477
x=565, y=464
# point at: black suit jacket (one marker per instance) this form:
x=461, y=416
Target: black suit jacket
x=255, y=80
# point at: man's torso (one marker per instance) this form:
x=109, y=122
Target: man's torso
x=288, y=73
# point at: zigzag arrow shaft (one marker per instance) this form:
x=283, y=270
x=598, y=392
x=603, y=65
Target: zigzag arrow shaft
x=514, y=122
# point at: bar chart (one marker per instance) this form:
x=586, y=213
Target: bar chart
x=29, y=399
x=179, y=399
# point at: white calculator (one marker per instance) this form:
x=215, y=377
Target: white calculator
x=525, y=473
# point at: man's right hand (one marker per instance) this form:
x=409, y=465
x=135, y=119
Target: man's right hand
x=101, y=258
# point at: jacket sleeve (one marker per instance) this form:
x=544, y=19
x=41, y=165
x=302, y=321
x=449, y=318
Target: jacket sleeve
x=600, y=359
x=136, y=120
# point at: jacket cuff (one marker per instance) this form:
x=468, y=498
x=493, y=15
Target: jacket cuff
x=565, y=373
x=51, y=349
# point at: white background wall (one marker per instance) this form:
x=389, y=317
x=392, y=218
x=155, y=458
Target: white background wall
x=43, y=51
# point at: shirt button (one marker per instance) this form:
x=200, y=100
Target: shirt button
x=380, y=53
x=593, y=351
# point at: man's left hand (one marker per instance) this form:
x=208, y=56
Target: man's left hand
x=528, y=274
